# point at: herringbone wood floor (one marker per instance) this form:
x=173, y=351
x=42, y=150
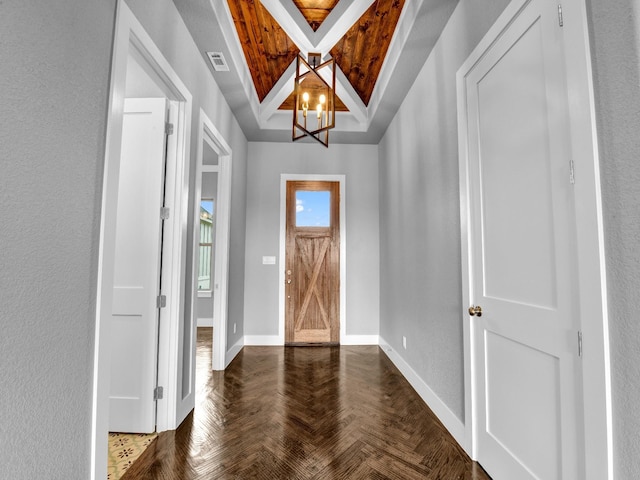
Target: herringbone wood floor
x=305, y=413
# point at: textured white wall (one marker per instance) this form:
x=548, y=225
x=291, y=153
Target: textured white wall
x=54, y=84
x=267, y=161
x=615, y=37
x=420, y=271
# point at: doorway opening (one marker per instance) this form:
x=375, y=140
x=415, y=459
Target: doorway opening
x=140, y=70
x=210, y=267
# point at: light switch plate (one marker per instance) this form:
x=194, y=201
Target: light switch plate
x=269, y=260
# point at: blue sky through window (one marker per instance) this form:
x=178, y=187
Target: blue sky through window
x=207, y=205
x=312, y=209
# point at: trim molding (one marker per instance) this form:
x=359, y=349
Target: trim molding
x=360, y=340
x=264, y=340
x=276, y=340
x=445, y=415
x=207, y=132
x=233, y=352
x=205, y=322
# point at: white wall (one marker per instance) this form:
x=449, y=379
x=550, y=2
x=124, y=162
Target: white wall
x=55, y=59
x=420, y=270
x=359, y=163
x=615, y=37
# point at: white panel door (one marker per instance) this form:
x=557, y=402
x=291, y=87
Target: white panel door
x=134, y=321
x=522, y=260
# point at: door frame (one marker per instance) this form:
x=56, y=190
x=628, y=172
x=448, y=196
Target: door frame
x=341, y=179
x=131, y=38
x=209, y=133
x=589, y=227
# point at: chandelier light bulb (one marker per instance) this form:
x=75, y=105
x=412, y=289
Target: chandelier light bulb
x=305, y=97
x=323, y=99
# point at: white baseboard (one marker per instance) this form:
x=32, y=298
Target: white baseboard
x=233, y=351
x=275, y=340
x=445, y=415
x=359, y=340
x=205, y=322
x=264, y=340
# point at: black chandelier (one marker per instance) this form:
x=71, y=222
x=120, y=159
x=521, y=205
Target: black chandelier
x=313, y=93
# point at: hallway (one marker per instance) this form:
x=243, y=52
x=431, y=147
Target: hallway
x=305, y=413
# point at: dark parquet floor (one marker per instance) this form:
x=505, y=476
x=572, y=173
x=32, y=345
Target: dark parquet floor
x=305, y=413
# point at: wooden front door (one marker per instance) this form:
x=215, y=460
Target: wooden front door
x=312, y=276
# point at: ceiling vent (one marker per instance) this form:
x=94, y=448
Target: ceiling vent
x=218, y=61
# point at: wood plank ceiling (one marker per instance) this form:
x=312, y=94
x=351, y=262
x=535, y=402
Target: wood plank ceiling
x=360, y=53
x=315, y=11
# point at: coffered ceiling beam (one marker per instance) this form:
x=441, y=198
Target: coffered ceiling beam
x=333, y=28
x=338, y=22
x=292, y=22
x=278, y=94
x=348, y=95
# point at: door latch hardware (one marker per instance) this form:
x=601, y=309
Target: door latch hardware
x=475, y=311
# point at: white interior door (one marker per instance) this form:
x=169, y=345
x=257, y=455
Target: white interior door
x=523, y=275
x=134, y=322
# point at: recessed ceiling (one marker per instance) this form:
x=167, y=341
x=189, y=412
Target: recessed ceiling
x=362, y=50
x=359, y=54
x=379, y=47
x=267, y=49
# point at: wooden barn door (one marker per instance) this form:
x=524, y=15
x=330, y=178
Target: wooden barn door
x=312, y=276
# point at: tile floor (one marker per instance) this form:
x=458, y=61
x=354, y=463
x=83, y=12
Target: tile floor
x=124, y=449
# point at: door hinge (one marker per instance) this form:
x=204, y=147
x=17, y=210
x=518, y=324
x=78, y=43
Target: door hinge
x=158, y=393
x=161, y=301
x=572, y=173
x=164, y=213
x=168, y=128
x=560, y=15
x=579, y=344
